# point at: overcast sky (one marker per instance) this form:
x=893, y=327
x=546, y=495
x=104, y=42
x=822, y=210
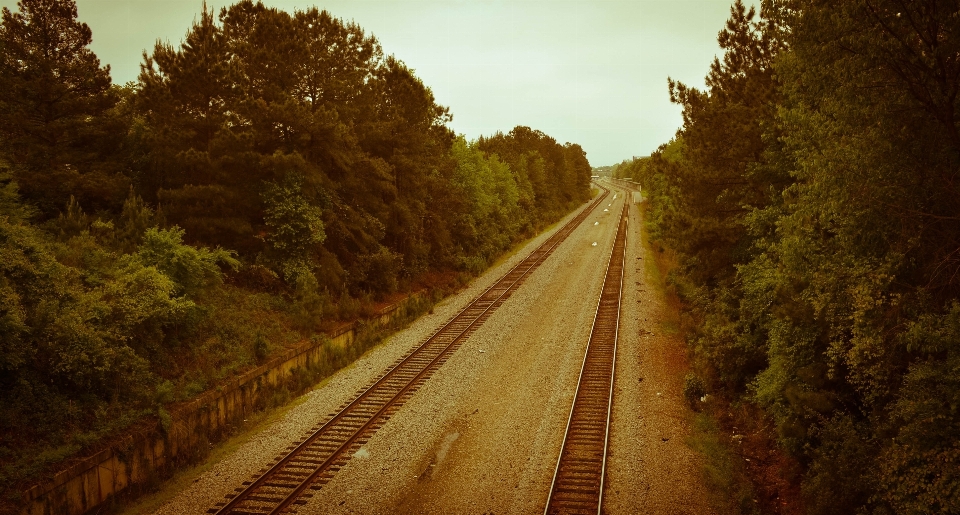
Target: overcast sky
x=592, y=72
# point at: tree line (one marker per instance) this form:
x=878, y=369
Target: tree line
x=271, y=173
x=812, y=199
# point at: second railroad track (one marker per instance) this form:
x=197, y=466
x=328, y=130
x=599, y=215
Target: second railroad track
x=578, y=480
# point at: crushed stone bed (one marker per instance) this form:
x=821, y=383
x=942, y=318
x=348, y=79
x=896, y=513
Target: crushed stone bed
x=483, y=434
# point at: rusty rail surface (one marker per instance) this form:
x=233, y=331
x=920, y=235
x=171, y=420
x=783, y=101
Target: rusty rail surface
x=312, y=461
x=578, y=479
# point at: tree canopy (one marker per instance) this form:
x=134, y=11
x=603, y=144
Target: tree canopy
x=810, y=196
x=55, y=109
x=271, y=176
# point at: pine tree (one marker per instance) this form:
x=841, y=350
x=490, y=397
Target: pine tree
x=53, y=94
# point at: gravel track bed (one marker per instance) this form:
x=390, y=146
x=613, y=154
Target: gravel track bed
x=222, y=478
x=650, y=469
x=483, y=434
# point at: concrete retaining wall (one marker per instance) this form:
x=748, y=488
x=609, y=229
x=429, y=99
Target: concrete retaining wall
x=142, y=458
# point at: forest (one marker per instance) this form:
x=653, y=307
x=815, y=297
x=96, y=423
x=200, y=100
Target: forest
x=811, y=202
x=271, y=175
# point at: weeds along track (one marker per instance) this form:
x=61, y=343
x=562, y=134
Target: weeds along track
x=578, y=480
x=312, y=461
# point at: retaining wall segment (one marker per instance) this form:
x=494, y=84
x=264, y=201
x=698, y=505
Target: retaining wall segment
x=142, y=457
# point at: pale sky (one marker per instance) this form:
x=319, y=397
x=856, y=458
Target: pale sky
x=592, y=72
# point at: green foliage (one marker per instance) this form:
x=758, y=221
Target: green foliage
x=811, y=198
x=295, y=225
x=920, y=466
x=327, y=168
x=261, y=349
x=74, y=343
x=10, y=206
x=364, y=189
x=490, y=194
x=56, y=123
x=189, y=268
x=135, y=218
x=693, y=389
x=723, y=468
x=87, y=333
x=550, y=178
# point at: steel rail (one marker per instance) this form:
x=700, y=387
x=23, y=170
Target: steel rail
x=578, y=480
x=256, y=496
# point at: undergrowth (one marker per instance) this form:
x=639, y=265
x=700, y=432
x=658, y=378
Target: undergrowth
x=714, y=437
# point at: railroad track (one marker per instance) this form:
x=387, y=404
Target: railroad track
x=578, y=480
x=313, y=460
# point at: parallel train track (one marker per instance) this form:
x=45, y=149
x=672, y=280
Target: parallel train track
x=314, y=460
x=578, y=480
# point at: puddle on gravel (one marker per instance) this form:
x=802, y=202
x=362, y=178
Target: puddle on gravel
x=442, y=450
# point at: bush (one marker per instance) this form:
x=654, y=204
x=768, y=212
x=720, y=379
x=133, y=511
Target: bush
x=693, y=389
x=190, y=268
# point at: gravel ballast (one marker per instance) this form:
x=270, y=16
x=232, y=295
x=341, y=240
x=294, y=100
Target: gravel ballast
x=650, y=469
x=483, y=434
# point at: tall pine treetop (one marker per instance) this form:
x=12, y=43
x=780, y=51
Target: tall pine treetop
x=52, y=89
